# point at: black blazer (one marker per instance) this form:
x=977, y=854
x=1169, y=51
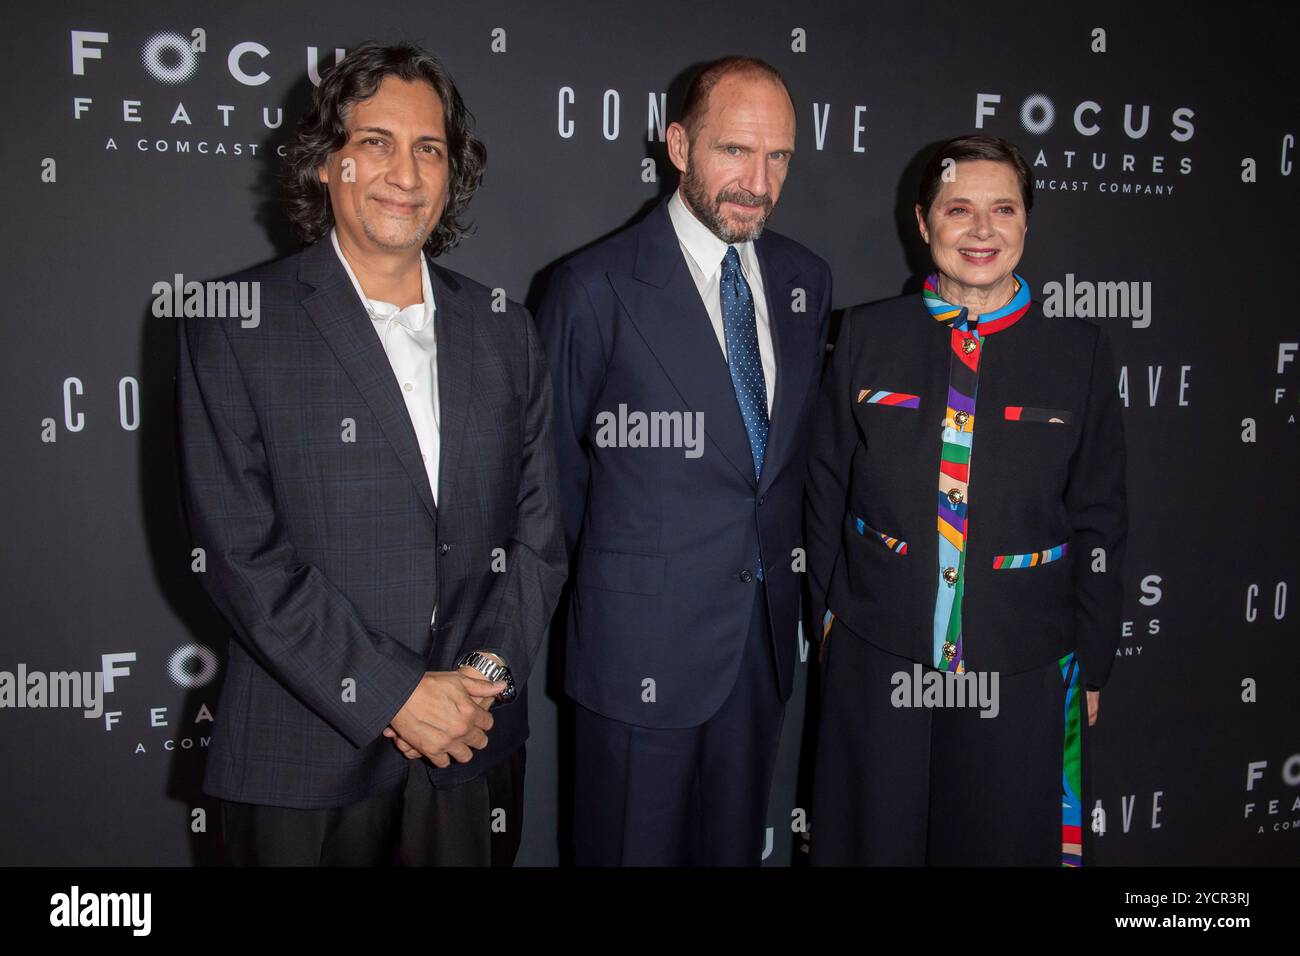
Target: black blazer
x=666, y=547
x=1034, y=484
x=327, y=557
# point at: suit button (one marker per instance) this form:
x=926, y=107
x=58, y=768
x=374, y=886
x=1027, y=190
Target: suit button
x=968, y=346
x=444, y=548
x=746, y=576
x=949, y=650
x=962, y=418
x=950, y=575
x=954, y=496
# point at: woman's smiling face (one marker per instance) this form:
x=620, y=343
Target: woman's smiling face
x=976, y=225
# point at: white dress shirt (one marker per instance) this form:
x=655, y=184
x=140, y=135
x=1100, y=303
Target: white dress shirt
x=407, y=336
x=704, y=253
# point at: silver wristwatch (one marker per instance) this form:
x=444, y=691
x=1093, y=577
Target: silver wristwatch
x=492, y=671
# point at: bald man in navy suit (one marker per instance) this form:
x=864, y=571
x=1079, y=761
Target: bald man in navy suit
x=684, y=615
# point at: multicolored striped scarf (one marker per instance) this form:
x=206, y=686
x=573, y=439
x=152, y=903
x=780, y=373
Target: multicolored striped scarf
x=989, y=323
x=1072, y=765
x=966, y=346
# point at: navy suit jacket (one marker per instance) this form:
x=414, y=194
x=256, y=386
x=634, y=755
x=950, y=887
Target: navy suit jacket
x=328, y=556
x=665, y=548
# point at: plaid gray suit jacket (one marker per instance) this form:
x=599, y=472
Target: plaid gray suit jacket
x=327, y=555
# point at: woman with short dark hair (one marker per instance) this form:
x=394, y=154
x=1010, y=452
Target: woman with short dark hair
x=965, y=523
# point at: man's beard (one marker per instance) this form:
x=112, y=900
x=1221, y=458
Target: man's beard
x=709, y=211
x=394, y=235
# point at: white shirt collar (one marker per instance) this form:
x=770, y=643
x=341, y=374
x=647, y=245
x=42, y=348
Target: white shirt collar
x=702, y=245
x=415, y=317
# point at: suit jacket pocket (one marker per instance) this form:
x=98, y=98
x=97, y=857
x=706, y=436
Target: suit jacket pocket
x=1032, y=559
x=1028, y=413
x=889, y=541
x=625, y=571
x=879, y=396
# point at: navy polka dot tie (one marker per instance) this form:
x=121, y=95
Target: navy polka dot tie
x=741, y=330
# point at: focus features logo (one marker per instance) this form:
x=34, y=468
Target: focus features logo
x=1275, y=805
x=1140, y=166
x=176, y=126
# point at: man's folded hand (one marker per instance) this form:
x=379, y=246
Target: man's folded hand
x=445, y=719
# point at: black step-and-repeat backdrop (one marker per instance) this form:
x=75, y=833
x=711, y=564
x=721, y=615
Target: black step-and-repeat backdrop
x=142, y=143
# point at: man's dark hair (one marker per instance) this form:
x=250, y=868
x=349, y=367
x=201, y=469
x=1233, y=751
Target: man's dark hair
x=965, y=148
x=702, y=84
x=321, y=132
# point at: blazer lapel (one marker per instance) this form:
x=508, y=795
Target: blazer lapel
x=793, y=350
x=663, y=303
x=454, y=330
x=346, y=327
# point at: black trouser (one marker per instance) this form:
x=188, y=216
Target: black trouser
x=477, y=823
x=695, y=796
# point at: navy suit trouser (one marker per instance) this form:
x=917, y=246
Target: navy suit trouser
x=692, y=796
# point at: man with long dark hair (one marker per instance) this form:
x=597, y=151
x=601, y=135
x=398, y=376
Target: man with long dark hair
x=370, y=471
